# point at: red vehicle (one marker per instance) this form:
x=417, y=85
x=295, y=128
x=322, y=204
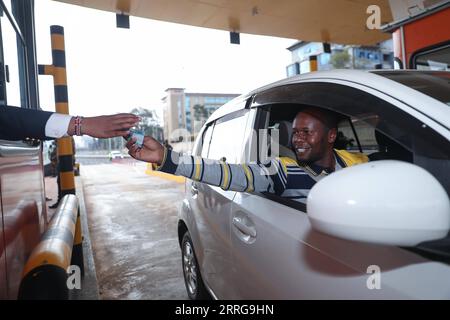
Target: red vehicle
x=422, y=41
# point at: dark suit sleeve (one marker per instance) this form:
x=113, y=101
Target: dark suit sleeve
x=20, y=123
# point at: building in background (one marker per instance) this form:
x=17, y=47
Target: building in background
x=311, y=56
x=183, y=110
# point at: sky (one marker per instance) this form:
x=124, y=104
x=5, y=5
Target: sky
x=113, y=70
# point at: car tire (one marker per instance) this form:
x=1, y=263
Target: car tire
x=193, y=281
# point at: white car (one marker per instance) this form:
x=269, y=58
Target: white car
x=373, y=231
x=115, y=155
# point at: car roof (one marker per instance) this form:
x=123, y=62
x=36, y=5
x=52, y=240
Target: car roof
x=421, y=102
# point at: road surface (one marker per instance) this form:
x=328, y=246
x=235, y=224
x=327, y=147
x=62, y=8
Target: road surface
x=133, y=227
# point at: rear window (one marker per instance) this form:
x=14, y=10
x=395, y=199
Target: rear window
x=434, y=84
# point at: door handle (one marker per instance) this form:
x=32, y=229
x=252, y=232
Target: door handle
x=242, y=227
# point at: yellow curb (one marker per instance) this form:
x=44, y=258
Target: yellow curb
x=163, y=175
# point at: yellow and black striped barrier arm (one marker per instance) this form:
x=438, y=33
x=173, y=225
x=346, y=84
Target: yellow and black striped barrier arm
x=45, y=273
x=77, y=252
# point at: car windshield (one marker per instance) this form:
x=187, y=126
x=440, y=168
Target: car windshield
x=434, y=84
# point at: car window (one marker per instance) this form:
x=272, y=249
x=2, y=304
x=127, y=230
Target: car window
x=385, y=131
x=228, y=137
x=386, y=118
x=354, y=133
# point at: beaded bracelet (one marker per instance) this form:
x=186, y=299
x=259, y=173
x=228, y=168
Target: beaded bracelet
x=78, y=122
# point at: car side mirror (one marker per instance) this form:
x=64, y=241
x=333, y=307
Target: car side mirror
x=384, y=202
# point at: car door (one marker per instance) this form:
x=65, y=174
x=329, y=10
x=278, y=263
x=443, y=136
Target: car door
x=211, y=206
x=286, y=259
x=271, y=256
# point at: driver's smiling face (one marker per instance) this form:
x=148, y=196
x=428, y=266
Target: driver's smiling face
x=309, y=138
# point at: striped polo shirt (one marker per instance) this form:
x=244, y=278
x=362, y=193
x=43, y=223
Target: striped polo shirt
x=283, y=176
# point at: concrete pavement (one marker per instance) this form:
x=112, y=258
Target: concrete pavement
x=133, y=228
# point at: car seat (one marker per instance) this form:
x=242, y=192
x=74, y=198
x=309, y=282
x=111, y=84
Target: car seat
x=285, y=136
x=389, y=149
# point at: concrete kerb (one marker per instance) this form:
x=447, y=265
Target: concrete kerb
x=163, y=175
x=89, y=283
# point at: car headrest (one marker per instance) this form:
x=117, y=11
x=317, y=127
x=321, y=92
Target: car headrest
x=285, y=132
x=385, y=143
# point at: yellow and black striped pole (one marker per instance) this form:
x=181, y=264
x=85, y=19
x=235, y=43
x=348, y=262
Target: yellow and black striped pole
x=65, y=148
x=58, y=71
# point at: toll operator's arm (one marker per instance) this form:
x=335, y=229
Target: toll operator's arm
x=270, y=177
x=21, y=123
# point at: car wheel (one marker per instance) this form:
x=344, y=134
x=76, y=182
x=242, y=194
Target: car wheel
x=192, y=278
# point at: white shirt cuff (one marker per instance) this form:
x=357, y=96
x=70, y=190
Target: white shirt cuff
x=57, y=125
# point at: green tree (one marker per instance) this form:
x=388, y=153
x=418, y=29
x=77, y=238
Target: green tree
x=150, y=123
x=200, y=112
x=364, y=64
x=340, y=60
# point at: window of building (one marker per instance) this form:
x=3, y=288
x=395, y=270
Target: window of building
x=211, y=100
x=324, y=59
x=293, y=69
x=180, y=114
x=187, y=107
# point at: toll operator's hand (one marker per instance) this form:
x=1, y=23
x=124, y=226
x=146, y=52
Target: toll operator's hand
x=152, y=151
x=105, y=126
